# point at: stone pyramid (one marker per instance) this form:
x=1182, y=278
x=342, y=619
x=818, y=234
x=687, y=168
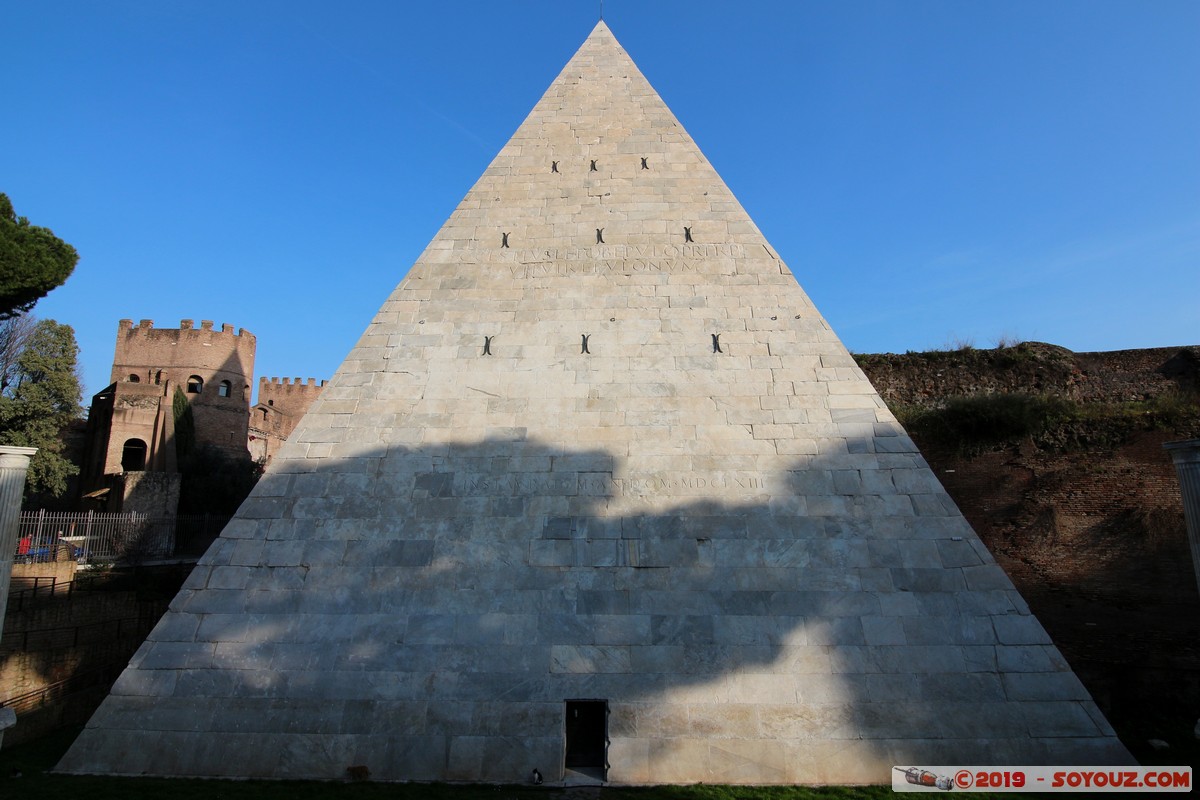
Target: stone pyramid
x=597, y=493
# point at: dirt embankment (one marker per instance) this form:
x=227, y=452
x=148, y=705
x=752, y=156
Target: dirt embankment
x=1080, y=504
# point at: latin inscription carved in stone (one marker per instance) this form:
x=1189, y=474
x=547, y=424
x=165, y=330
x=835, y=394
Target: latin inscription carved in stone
x=626, y=251
x=611, y=260
x=598, y=484
x=615, y=260
x=633, y=267
x=661, y=483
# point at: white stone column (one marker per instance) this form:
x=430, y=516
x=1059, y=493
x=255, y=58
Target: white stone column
x=1186, y=456
x=14, y=463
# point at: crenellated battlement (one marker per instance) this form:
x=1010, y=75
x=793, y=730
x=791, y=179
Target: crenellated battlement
x=282, y=402
x=146, y=327
x=156, y=354
x=293, y=383
x=213, y=366
x=289, y=395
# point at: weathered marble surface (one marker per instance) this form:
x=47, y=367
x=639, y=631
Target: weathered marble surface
x=741, y=551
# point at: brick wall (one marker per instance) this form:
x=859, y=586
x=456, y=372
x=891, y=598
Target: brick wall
x=60, y=638
x=23, y=671
x=1087, y=521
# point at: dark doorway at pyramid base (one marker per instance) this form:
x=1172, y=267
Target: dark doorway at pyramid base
x=586, y=732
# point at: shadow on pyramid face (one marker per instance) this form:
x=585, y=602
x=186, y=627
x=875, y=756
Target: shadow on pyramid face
x=415, y=588
x=429, y=611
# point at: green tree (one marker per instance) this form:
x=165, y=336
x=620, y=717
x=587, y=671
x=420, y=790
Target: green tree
x=185, y=425
x=214, y=482
x=42, y=399
x=32, y=261
x=14, y=333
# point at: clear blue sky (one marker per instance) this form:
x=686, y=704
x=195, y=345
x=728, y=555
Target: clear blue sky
x=931, y=170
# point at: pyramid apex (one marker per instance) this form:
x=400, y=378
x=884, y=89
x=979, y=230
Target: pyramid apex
x=600, y=29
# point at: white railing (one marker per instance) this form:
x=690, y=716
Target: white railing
x=91, y=537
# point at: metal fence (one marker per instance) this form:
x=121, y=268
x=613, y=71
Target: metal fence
x=24, y=592
x=91, y=537
x=106, y=631
x=54, y=693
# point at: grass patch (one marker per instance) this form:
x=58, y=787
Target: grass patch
x=968, y=423
x=1164, y=411
x=974, y=423
x=1007, y=355
x=35, y=759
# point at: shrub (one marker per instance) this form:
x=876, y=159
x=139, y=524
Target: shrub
x=967, y=423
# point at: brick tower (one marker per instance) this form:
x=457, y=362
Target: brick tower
x=281, y=405
x=131, y=425
x=212, y=367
